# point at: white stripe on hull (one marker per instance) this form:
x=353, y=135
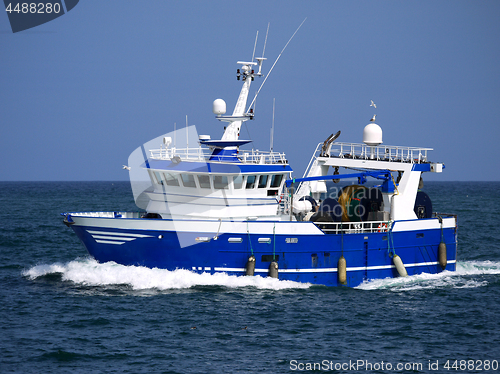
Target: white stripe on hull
x=112, y=237
x=119, y=234
x=329, y=270
x=108, y=237
x=109, y=242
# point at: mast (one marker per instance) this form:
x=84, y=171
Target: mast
x=247, y=74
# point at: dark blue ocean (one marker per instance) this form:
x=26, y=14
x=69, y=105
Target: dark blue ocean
x=62, y=312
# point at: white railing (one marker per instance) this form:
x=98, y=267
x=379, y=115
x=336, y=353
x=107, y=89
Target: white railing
x=203, y=154
x=313, y=158
x=354, y=227
x=380, y=153
x=193, y=154
x=108, y=214
x=260, y=157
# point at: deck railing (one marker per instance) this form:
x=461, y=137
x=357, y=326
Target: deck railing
x=354, y=227
x=380, y=153
x=203, y=154
x=108, y=214
x=191, y=154
x=261, y=157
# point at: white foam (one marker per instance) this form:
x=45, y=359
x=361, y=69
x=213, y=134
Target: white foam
x=469, y=274
x=91, y=273
x=478, y=267
x=466, y=276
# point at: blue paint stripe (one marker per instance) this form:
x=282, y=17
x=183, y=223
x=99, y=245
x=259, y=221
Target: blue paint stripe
x=215, y=167
x=421, y=167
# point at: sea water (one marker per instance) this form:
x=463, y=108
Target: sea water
x=62, y=312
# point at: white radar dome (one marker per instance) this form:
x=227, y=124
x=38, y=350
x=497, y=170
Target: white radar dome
x=219, y=107
x=372, y=134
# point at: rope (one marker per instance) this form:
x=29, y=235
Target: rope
x=342, y=241
x=441, y=222
x=249, y=241
x=395, y=185
x=218, y=230
x=390, y=241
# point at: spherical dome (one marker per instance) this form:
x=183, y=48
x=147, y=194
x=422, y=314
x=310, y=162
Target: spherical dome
x=372, y=134
x=219, y=107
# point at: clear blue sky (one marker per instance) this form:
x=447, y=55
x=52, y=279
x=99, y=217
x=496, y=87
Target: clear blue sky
x=80, y=93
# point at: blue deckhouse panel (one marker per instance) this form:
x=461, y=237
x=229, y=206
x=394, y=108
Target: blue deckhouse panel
x=216, y=167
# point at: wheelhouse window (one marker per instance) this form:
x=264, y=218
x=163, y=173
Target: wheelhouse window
x=188, y=180
x=204, y=181
x=237, y=181
x=276, y=180
x=171, y=179
x=251, y=182
x=263, y=181
x=158, y=178
x=221, y=182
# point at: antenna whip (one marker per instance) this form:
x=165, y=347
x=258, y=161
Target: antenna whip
x=272, y=67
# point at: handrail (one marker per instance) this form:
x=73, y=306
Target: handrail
x=197, y=153
x=354, y=227
x=309, y=167
x=436, y=214
x=389, y=153
x=313, y=158
x=261, y=157
x=202, y=154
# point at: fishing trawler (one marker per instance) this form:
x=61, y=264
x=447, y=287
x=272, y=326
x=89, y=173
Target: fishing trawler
x=216, y=207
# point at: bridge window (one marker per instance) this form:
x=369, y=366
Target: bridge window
x=276, y=180
x=237, y=181
x=204, y=181
x=171, y=179
x=263, y=181
x=220, y=182
x=188, y=180
x=251, y=182
x=158, y=177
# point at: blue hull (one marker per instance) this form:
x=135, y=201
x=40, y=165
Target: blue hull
x=306, y=258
